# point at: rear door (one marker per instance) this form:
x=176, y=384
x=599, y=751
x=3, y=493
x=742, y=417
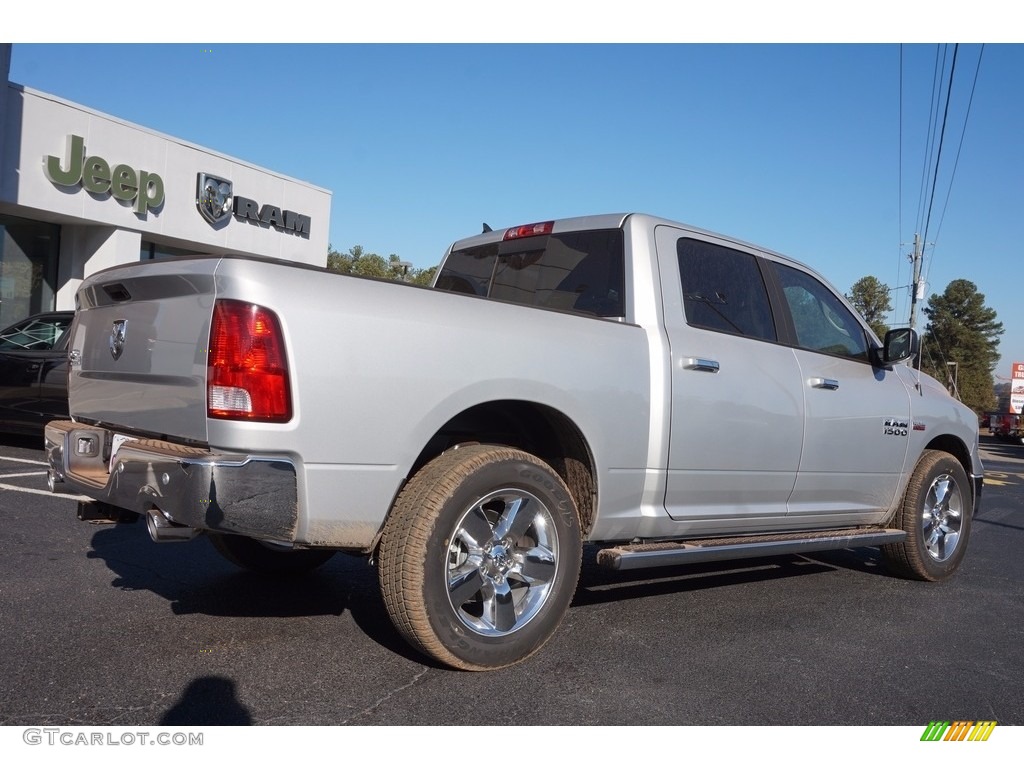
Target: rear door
x=736, y=427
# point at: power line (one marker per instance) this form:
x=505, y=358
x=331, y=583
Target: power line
x=934, y=144
x=942, y=138
x=899, y=185
x=938, y=69
x=960, y=146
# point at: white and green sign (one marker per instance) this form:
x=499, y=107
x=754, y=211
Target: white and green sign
x=144, y=190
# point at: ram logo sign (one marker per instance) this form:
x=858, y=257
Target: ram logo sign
x=215, y=200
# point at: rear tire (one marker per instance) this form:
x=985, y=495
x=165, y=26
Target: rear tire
x=480, y=557
x=936, y=514
x=253, y=555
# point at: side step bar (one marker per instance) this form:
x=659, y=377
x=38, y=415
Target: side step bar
x=627, y=557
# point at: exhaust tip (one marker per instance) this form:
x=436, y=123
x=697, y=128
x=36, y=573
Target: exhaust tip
x=161, y=530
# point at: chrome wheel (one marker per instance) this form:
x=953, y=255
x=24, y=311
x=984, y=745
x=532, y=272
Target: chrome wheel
x=942, y=517
x=480, y=555
x=936, y=515
x=501, y=562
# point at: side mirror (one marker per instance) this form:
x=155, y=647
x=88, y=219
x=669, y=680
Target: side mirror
x=900, y=344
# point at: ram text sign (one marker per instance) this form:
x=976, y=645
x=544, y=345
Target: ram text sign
x=215, y=199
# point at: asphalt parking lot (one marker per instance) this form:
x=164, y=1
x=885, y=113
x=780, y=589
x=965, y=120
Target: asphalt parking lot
x=100, y=626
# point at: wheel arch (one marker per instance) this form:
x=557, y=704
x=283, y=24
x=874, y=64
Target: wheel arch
x=956, y=447
x=538, y=429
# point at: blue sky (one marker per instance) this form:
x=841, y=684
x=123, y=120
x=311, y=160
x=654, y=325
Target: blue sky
x=810, y=150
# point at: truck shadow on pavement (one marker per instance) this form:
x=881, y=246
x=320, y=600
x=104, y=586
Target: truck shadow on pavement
x=197, y=580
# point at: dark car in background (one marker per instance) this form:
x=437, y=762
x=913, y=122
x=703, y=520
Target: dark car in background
x=34, y=372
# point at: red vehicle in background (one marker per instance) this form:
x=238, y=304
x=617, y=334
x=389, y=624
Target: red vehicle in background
x=1006, y=427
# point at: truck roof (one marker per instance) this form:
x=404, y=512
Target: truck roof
x=612, y=221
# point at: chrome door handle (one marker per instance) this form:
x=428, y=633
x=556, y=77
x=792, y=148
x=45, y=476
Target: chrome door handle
x=820, y=383
x=700, y=364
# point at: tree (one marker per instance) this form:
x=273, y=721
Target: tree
x=870, y=297
x=1002, y=395
x=961, y=343
x=359, y=262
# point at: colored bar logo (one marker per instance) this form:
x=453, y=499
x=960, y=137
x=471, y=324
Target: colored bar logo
x=960, y=730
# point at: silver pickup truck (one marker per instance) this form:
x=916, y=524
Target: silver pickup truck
x=667, y=394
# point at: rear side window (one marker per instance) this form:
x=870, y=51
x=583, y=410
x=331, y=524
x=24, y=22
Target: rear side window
x=576, y=271
x=723, y=290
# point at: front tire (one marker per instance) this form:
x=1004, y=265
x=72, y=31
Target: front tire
x=253, y=555
x=936, y=515
x=480, y=557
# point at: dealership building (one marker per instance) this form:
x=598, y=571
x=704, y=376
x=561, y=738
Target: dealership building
x=81, y=191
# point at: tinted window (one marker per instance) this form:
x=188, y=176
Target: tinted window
x=578, y=271
x=723, y=290
x=40, y=334
x=821, y=321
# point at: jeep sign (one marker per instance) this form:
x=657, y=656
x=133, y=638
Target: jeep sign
x=143, y=189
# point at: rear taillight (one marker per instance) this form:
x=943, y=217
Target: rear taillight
x=247, y=377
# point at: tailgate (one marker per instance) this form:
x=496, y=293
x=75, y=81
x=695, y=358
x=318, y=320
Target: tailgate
x=139, y=347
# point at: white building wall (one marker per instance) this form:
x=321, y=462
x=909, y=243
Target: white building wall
x=37, y=126
x=88, y=249
x=5, y=68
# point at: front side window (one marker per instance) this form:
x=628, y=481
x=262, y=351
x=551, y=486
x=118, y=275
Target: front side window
x=576, y=271
x=822, y=322
x=723, y=290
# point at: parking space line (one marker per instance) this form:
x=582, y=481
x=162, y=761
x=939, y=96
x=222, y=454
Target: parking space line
x=24, y=474
x=23, y=461
x=6, y=487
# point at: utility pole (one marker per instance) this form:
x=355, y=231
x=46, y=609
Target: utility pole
x=954, y=379
x=915, y=286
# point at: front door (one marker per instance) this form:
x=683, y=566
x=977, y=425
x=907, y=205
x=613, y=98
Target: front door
x=857, y=419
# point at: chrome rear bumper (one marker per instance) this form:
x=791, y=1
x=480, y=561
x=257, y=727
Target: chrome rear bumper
x=254, y=496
